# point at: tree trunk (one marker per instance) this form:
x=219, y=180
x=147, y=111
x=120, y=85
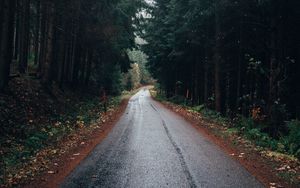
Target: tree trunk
x=89, y=66
x=217, y=59
x=16, y=44
x=24, y=37
x=1, y=17
x=46, y=77
x=273, y=62
x=37, y=33
x=43, y=37
x=205, y=81
x=61, y=57
x=6, y=41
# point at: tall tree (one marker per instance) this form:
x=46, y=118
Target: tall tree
x=6, y=40
x=232, y=56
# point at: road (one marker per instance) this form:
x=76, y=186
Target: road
x=151, y=146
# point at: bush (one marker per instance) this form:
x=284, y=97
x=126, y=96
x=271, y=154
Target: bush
x=245, y=123
x=211, y=114
x=277, y=118
x=177, y=99
x=292, y=140
x=261, y=139
x=36, y=141
x=199, y=108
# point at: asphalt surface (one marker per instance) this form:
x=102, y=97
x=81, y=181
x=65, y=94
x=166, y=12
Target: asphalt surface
x=151, y=146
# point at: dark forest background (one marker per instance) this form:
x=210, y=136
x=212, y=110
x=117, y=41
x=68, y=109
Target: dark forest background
x=233, y=56
x=72, y=43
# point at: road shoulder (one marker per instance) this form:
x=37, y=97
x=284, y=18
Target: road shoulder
x=262, y=167
x=76, y=147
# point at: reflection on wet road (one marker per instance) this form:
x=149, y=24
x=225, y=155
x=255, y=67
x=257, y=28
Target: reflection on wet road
x=153, y=147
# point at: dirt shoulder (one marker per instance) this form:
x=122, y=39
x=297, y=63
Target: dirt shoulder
x=59, y=162
x=270, y=168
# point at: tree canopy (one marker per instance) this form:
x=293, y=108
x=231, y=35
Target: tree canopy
x=73, y=44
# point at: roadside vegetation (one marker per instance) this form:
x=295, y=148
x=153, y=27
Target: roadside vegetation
x=235, y=60
x=34, y=121
x=246, y=132
x=252, y=129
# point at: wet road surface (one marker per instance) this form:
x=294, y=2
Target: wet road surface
x=151, y=146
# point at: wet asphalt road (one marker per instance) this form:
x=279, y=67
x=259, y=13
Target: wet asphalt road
x=153, y=147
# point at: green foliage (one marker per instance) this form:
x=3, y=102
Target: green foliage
x=140, y=58
x=178, y=99
x=35, y=137
x=211, y=114
x=292, y=140
x=160, y=97
x=260, y=139
x=199, y=108
x=250, y=129
x=289, y=143
x=245, y=123
x=36, y=140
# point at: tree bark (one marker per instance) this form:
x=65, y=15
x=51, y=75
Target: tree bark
x=89, y=66
x=37, y=33
x=6, y=42
x=273, y=63
x=46, y=77
x=24, y=37
x=43, y=37
x=1, y=18
x=217, y=58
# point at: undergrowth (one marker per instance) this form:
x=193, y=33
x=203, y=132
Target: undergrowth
x=16, y=149
x=288, y=142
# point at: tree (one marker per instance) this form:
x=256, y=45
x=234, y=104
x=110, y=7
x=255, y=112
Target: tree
x=62, y=42
x=232, y=56
x=6, y=32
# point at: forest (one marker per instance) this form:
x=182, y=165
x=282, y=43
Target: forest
x=71, y=44
x=235, y=57
x=232, y=59
x=57, y=59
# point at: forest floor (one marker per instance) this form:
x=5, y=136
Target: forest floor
x=43, y=135
x=273, y=169
x=74, y=148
